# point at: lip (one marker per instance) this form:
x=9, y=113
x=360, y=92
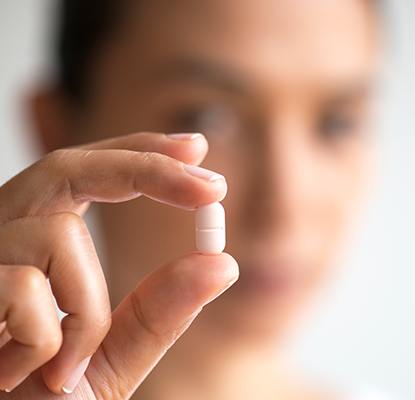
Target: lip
x=271, y=279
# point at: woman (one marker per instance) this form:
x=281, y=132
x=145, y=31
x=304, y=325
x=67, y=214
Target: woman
x=281, y=90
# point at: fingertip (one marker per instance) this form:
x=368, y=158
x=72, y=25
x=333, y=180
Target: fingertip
x=209, y=274
x=71, y=381
x=201, y=148
x=231, y=263
x=191, y=148
x=223, y=190
x=204, y=187
x=229, y=266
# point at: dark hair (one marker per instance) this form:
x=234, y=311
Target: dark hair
x=83, y=27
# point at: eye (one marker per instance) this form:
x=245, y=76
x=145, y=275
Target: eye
x=338, y=125
x=210, y=119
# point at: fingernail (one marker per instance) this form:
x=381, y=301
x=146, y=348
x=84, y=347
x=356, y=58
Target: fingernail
x=202, y=173
x=184, y=136
x=76, y=376
x=8, y=390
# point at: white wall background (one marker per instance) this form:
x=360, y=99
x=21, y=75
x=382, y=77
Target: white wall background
x=363, y=332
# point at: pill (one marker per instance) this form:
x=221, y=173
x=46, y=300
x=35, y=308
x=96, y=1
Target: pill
x=210, y=229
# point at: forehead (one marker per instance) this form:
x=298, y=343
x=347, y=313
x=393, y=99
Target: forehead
x=291, y=39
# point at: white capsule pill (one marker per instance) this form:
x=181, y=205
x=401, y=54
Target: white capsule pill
x=210, y=229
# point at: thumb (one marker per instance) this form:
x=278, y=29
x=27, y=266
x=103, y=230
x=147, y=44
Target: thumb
x=153, y=316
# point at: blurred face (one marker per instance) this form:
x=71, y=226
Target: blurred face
x=281, y=90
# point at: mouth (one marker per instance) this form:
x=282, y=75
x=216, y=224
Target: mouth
x=270, y=280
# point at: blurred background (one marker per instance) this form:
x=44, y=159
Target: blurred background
x=362, y=332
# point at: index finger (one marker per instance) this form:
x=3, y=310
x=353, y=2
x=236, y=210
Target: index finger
x=66, y=179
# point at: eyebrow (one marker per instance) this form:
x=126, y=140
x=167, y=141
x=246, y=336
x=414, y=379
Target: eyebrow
x=355, y=90
x=200, y=71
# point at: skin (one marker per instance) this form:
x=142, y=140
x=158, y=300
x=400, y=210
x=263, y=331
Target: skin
x=287, y=127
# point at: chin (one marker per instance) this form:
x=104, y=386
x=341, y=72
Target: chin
x=259, y=317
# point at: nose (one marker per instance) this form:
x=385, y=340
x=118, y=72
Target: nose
x=282, y=179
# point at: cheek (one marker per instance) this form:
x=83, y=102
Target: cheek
x=342, y=186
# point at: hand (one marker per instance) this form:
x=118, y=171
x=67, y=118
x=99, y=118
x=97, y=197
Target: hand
x=42, y=235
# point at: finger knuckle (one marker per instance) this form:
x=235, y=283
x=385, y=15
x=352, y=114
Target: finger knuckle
x=139, y=136
x=150, y=157
x=50, y=343
x=100, y=324
x=62, y=224
x=145, y=322
x=145, y=135
x=29, y=280
x=151, y=165
x=155, y=163
x=55, y=166
x=57, y=157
